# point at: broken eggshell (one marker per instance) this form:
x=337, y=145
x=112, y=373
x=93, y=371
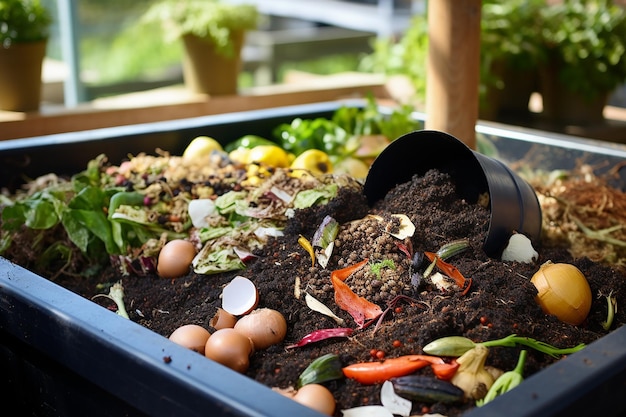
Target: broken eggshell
x=240, y=296
x=512, y=201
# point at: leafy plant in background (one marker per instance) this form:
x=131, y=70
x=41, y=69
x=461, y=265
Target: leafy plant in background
x=587, y=40
x=509, y=37
x=588, y=37
x=208, y=19
x=404, y=56
x=23, y=21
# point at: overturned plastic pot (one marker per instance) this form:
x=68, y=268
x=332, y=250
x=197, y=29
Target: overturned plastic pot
x=513, y=203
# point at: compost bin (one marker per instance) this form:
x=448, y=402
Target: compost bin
x=64, y=355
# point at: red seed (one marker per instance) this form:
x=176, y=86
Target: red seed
x=397, y=343
x=373, y=352
x=398, y=310
x=483, y=320
x=380, y=354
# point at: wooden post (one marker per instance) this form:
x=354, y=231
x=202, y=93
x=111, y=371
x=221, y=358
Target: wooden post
x=453, y=67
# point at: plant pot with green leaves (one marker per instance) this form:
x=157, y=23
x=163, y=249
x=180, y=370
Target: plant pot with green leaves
x=213, y=34
x=24, y=31
x=586, y=44
x=511, y=53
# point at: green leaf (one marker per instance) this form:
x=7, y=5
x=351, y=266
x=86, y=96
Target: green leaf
x=308, y=198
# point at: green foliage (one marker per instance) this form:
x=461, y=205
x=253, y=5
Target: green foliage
x=339, y=135
x=510, y=31
x=208, y=19
x=587, y=38
x=405, y=56
x=23, y=21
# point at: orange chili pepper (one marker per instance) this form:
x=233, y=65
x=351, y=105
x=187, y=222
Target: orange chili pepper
x=445, y=371
x=376, y=372
x=450, y=270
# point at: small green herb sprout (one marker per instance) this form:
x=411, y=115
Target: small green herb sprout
x=387, y=263
x=506, y=382
x=611, y=302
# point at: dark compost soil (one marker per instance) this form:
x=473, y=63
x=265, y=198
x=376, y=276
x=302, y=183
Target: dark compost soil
x=500, y=301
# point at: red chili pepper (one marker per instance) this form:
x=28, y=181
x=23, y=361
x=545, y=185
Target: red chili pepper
x=451, y=271
x=322, y=334
x=376, y=372
x=445, y=371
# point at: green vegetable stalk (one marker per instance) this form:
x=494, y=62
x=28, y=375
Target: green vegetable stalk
x=611, y=302
x=506, y=382
x=458, y=345
x=116, y=294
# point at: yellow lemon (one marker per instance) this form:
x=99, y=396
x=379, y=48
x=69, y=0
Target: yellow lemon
x=271, y=155
x=353, y=167
x=201, y=146
x=313, y=160
x=240, y=155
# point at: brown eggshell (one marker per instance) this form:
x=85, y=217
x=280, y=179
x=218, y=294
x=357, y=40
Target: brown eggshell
x=230, y=348
x=317, y=397
x=191, y=336
x=264, y=326
x=223, y=319
x=175, y=258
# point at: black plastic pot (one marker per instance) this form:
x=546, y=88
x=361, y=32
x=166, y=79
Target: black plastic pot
x=62, y=355
x=513, y=202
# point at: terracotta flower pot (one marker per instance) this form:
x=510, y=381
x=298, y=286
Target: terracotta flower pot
x=207, y=71
x=20, y=76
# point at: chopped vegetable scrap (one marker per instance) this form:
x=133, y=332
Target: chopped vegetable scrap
x=324, y=240
x=427, y=389
x=362, y=311
x=325, y=368
x=322, y=334
x=306, y=245
x=451, y=271
x=506, y=382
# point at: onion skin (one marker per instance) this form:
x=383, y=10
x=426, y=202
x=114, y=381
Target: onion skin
x=563, y=291
x=264, y=326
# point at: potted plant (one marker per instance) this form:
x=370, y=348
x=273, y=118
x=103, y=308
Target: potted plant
x=24, y=31
x=213, y=35
x=511, y=53
x=586, y=43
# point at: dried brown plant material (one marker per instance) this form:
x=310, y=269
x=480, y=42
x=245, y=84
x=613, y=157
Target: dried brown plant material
x=582, y=210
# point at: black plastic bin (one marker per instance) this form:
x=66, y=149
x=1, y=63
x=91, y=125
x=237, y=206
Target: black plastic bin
x=62, y=355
